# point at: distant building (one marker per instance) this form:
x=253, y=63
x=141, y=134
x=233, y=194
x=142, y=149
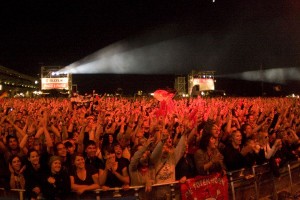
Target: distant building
x=17, y=84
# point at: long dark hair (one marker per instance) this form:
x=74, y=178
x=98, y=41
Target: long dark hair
x=30, y=151
x=55, y=150
x=13, y=157
x=204, y=141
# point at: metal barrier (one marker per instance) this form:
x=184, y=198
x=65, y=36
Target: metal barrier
x=137, y=190
x=240, y=179
x=294, y=174
x=249, y=180
x=260, y=172
x=12, y=194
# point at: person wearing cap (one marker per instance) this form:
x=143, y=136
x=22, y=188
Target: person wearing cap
x=56, y=181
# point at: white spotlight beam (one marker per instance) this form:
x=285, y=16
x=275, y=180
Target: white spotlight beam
x=276, y=75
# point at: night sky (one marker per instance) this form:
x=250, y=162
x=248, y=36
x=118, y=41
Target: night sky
x=226, y=36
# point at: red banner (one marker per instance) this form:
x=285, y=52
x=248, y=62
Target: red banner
x=205, y=187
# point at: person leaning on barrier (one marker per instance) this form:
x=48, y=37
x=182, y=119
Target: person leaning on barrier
x=33, y=174
x=186, y=168
x=284, y=153
x=140, y=169
x=115, y=173
x=4, y=173
x=256, y=154
x=207, y=158
x=56, y=181
x=16, y=168
x=165, y=157
x=90, y=155
x=84, y=177
x=263, y=140
x=234, y=153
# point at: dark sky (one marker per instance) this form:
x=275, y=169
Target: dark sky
x=226, y=36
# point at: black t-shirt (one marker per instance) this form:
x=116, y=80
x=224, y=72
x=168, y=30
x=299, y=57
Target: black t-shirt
x=95, y=162
x=59, y=190
x=4, y=172
x=90, y=171
x=233, y=159
x=185, y=167
x=112, y=180
x=33, y=178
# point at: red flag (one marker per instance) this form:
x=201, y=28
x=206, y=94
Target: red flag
x=163, y=95
x=166, y=103
x=213, y=186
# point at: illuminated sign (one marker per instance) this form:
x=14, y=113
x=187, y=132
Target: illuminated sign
x=55, y=83
x=204, y=83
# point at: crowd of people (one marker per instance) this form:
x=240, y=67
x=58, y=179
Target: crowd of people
x=52, y=146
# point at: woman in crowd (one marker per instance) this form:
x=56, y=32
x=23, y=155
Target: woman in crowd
x=208, y=159
x=186, y=168
x=233, y=153
x=16, y=168
x=33, y=174
x=115, y=173
x=256, y=154
x=60, y=150
x=264, y=143
x=108, y=142
x=84, y=177
x=56, y=182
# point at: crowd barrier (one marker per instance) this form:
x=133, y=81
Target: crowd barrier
x=257, y=182
x=12, y=194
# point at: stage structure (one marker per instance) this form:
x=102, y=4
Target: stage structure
x=51, y=79
x=199, y=81
x=180, y=85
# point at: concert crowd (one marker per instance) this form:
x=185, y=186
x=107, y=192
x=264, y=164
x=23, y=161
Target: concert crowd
x=55, y=147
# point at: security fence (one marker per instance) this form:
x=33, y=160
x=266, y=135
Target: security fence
x=257, y=182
